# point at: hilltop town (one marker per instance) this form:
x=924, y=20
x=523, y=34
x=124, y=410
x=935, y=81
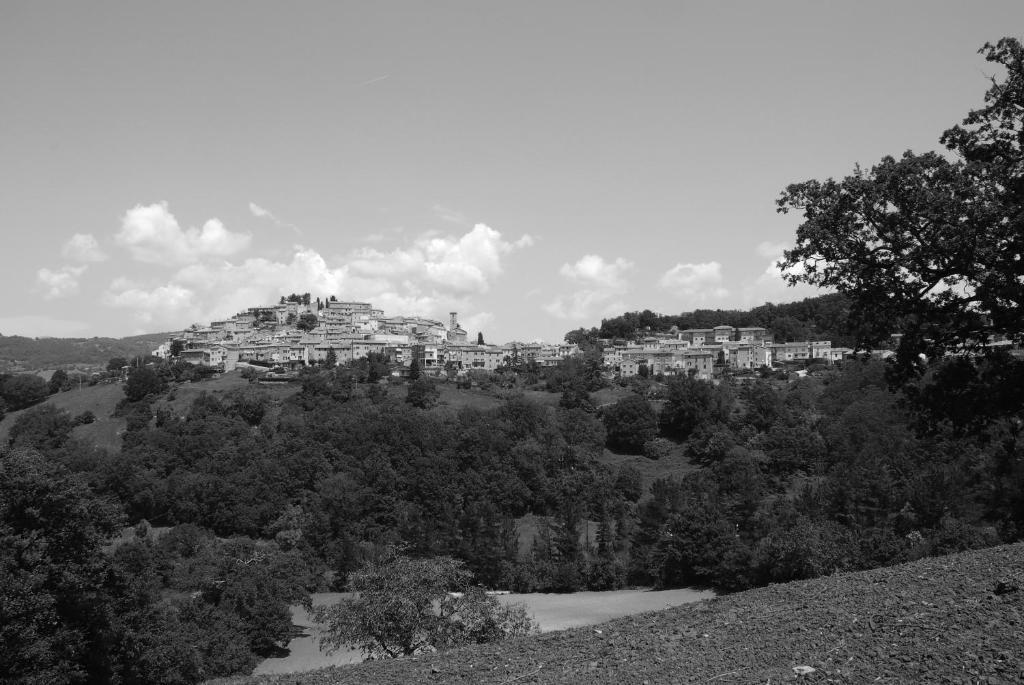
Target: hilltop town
x=299, y=331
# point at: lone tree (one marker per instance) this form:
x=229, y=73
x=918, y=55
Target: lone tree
x=924, y=245
x=402, y=605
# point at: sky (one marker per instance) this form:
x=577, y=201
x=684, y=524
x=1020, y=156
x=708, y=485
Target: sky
x=534, y=166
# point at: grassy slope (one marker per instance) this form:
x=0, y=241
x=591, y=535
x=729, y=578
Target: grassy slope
x=930, y=621
x=101, y=400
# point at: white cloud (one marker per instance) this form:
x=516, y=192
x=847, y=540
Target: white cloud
x=695, y=281
x=771, y=250
x=60, y=282
x=593, y=270
x=770, y=286
x=262, y=213
x=432, y=277
x=82, y=247
x=585, y=304
x=457, y=266
x=450, y=215
x=153, y=236
x=258, y=211
x=600, y=287
x=163, y=304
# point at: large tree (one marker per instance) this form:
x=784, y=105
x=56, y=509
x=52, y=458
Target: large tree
x=402, y=605
x=927, y=245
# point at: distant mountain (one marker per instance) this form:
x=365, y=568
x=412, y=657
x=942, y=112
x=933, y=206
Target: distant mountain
x=21, y=354
x=814, y=318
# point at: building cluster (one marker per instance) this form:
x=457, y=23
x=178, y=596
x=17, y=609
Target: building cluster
x=699, y=350
x=288, y=334
x=295, y=333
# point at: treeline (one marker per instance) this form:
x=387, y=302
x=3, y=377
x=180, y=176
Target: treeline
x=814, y=318
x=19, y=353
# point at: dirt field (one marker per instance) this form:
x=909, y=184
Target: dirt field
x=953, y=619
x=552, y=612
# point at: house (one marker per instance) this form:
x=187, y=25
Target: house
x=426, y=356
x=723, y=333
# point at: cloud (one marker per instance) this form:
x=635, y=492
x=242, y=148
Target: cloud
x=771, y=250
x=463, y=265
x=258, y=211
x=695, y=281
x=585, y=304
x=82, y=247
x=592, y=269
x=450, y=215
x=261, y=213
x=600, y=287
x=152, y=235
x=151, y=305
x=769, y=286
x=60, y=282
x=433, y=276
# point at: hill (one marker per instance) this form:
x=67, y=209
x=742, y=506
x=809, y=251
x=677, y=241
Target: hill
x=21, y=354
x=953, y=619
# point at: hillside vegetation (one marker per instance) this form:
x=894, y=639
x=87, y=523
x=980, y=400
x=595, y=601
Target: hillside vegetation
x=20, y=354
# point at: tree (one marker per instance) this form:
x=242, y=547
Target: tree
x=583, y=337
x=177, y=347
x=116, y=363
x=22, y=390
x=52, y=528
x=630, y=423
x=307, y=322
x=691, y=403
x=402, y=605
x=58, y=381
x=414, y=370
x=44, y=427
x=422, y=393
x=480, y=338
x=332, y=359
x=924, y=245
x=141, y=382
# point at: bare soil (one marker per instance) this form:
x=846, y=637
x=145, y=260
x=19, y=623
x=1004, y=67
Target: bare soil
x=954, y=619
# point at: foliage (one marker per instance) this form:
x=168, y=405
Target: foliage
x=19, y=353
x=404, y=605
x=423, y=393
x=692, y=402
x=822, y=317
x=925, y=245
x=585, y=338
x=307, y=321
x=142, y=382
x=58, y=381
x=630, y=423
x=44, y=428
x=51, y=568
x=22, y=390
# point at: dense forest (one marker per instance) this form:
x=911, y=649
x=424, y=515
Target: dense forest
x=241, y=503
